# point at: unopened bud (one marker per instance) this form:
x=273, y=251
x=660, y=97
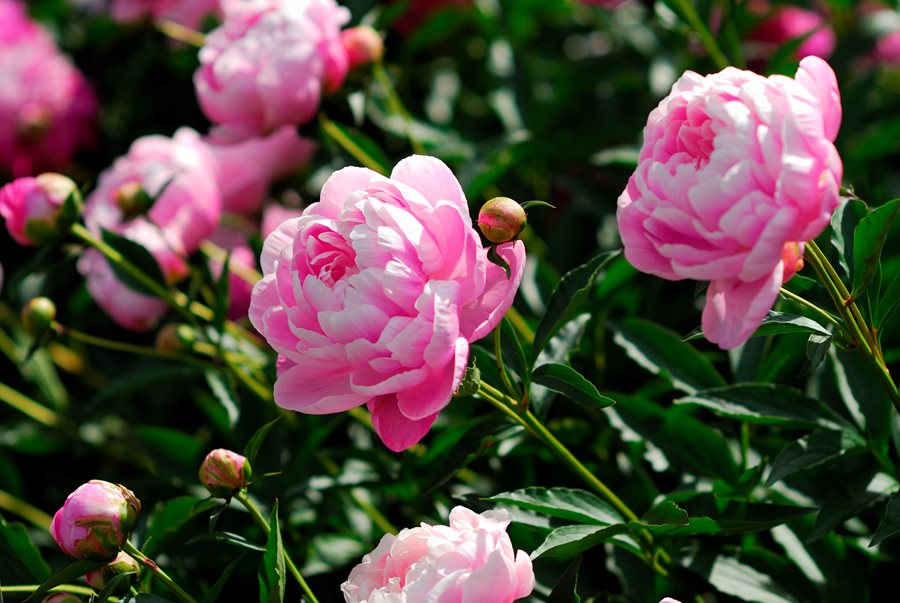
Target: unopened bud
x=122, y=564
x=501, y=219
x=95, y=520
x=363, y=44
x=61, y=598
x=168, y=340
x=133, y=200
x=38, y=314
x=792, y=258
x=37, y=208
x=224, y=473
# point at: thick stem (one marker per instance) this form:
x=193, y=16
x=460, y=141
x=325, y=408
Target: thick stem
x=349, y=145
x=158, y=572
x=264, y=526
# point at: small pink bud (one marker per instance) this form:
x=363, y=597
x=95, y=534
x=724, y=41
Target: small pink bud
x=133, y=200
x=224, y=472
x=792, y=257
x=364, y=45
x=61, y=598
x=501, y=219
x=123, y=563
x=34, y=207
x=95, y=520
x=37, y=314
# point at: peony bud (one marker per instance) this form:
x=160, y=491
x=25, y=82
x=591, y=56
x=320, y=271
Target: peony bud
x=168, y=339
x=133, y=200
x=364, y=45
x=36, y=208
x=95, y=520
x=61, y=598
x=224, y=472
x=501, y=219
x=37, y=314
x=123, y=563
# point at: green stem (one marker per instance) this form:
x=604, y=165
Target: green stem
x=521, y=325
x=75, y=589
x=857, y=330
x=693, y=19
x=397, y=105
x=349, y=145
x=38, y=412
x=35, y=516
x=158, y=572
x=504, y=376
x=808, y=304
x=179, y=32
x=264, y=526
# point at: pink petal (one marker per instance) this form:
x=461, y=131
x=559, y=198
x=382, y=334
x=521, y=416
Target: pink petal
x=816, y=75
x=315, y=392
x=433, y=179
x=396, y=430
x=734, y=309
x=478, y=318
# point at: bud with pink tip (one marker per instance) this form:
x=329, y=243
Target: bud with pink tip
x=364, y=45
x=61, y=598
x=224, y=472
x=122, y=564
x=95, y=520
x=34, y=207
x=501, y=219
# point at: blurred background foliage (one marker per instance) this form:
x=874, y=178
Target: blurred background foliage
x=532, y=99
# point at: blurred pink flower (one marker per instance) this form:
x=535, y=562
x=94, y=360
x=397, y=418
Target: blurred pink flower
x=180, y=174
x=269, y=63
x=420, y=11
x=786, y=23
x=373, y=295
x=273, y=215
x=191, y=13
x=33, y=206
x=887, y=48
x=244, y=170
x=734, y=168
x=95, y=520
x=470, y=561
x=231, y=238
x=47, y=108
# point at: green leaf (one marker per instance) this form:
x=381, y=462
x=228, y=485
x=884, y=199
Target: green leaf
x=166, y=443
x=144, y=598
x=17, y=551
x=567, y=381
x=570, y=290
x=495, y=258
x=70, y=573
x=256, y=441
x=890, y=525
x=811, y=451
x=223, y=297
x=666, y=512
x=565, y=503
x=229, y=538
x=889, y=302
x=565, y=590
x=743, y=581
x=119, y=582
x=766, y=403
x=222, y=387
x=513, y=353
x=170, y=517
x=271, y=568
x=839, y=507
x=843, y=225
x=736, y=518
x=662, y=352
x=137, y=255
x=213, y=593
x=569, y=541
x=868, y=240
x=356, y=144
x=778, y=323
x=862, y=394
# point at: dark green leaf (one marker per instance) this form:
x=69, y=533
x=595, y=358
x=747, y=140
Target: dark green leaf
x=565, y=503
x=228, y=537
x=173, y=514
x=213, y=593
x=536, y=203
x=137, y=255
x=743, y=581
x=166, y=443
x=565, y=590
x=513, y=352
x=662, y=352
x=495, y=258
x=838, y=508
x=868, y=241
x=271, y=567
x=70, y=573
x=222, y=387
x=567, y=381
x=117, y=583
x=220, y=308
x=737, y=518
x=890, y=525
x=570, y=290
x=811, y=451
x=144, y=598
x=666, y=512
x=778, y=323
x=359, y=146
x=569, y=541
x=862, y=394
x=765, y=403
x=16, y=549
x=256, y=441
x=843, y=224
x=889, y=302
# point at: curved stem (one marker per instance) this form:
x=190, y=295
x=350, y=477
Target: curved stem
x=158, y=572
x=397, y=105
x=349, y=145
x=264, y=526
x=75, y=589
x=690, y=14
x=808, y=304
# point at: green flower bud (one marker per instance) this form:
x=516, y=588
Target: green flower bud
x=501, y=219
x=123, y=563
x=37, y=315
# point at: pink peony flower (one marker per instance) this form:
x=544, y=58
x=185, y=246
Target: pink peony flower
x=373, y=295
x=177, y=176
x=735, y=168
x=95, y=520
x=887, y=48
x=191, y=13
x=244, y=170
x=787, y=23
x=32, y=207
x=269, y=63
x=470, y=561
x=273, y=215
x=47, y=108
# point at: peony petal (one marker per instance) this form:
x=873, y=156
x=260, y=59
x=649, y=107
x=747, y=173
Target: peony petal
x=396, y=430
x=339, y=187
x=433, y=179
x=816, y=75
x=734, y=309
x=316, y=392
x=478, y=318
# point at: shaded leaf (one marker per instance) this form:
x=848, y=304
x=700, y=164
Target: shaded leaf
x=70, y=573
x=565, y=590
x=213, y=593
x=222, y=387
x=253, y=446
x=16, y=549
x=811, y=451
x=890, y=524
x=569, y=541
x=778, y=323
x=868, y=240
x=227, y=537
x=271, y=567
x=137, y=255
x=564, y=503
x=567, y=381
